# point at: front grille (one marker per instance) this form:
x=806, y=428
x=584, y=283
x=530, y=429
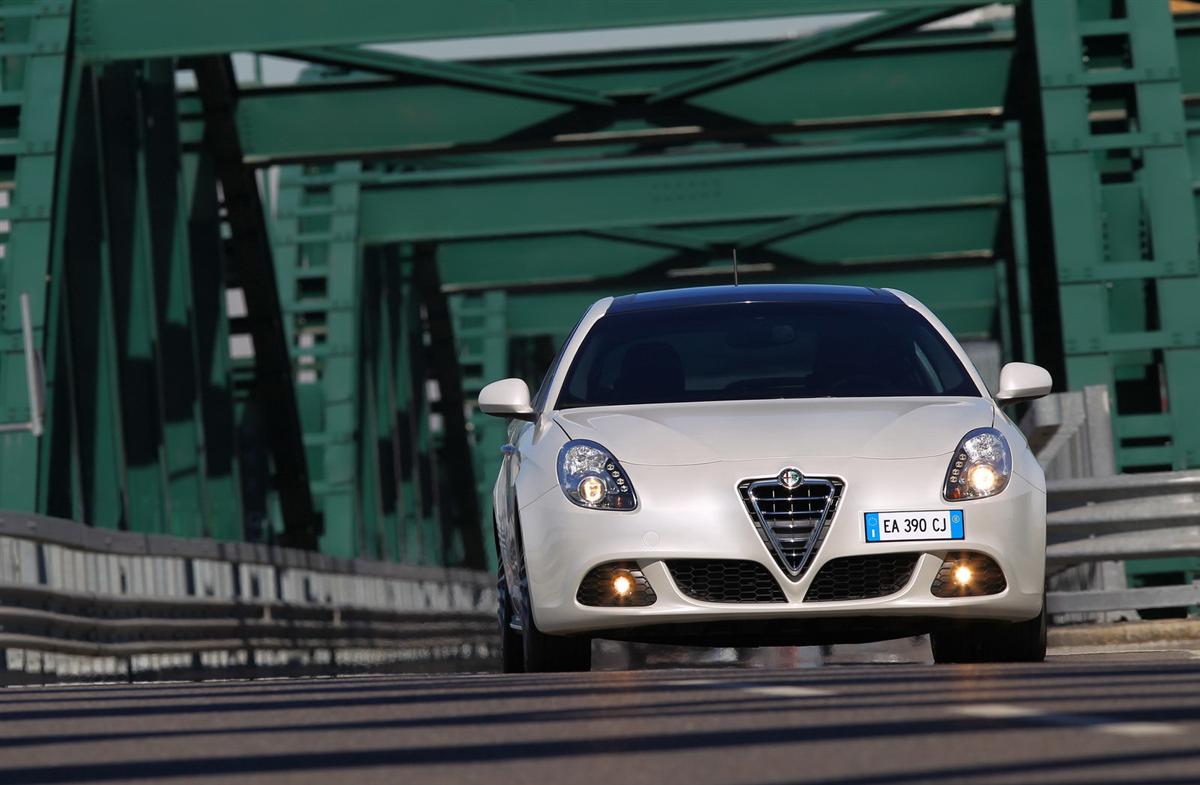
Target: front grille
x=596, y=588
x=986, y=576
x=862, y=577
x=725, y=580
x=792, y=521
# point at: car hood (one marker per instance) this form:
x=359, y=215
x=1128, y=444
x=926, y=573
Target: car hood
x=679, y=434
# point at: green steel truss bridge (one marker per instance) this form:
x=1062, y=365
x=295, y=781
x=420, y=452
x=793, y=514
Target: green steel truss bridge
x=248, y=311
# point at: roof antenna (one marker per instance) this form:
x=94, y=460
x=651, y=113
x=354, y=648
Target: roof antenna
x=735, y=269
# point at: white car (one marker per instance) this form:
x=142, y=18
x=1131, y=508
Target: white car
x=767, y=465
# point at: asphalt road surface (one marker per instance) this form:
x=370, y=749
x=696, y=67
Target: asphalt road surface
x=1115, y=718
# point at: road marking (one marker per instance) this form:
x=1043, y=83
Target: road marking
x=1157, y=648
x=1006, y=711
x=788, y=691
x=997, y=711
x=772, y=690
x=1141, y=729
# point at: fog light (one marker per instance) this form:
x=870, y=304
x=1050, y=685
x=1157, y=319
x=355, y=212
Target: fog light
x=622, y=585
x=962, y=575
x=983, y=478
x=591, y=490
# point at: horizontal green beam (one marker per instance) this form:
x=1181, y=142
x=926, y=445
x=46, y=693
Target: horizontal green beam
x=373, y=119
x=929, y=235
x=126, y=29
x=963, y=80
x=684, y=189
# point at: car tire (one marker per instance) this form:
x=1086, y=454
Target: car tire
x=983, y=641
x=512, y=648
x=554, y=653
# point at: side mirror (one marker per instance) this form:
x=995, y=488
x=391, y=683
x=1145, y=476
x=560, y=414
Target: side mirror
x=1023, y=382
x=507, y=398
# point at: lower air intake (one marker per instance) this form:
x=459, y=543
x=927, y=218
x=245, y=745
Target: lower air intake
x=725, y=580
x=862, y=577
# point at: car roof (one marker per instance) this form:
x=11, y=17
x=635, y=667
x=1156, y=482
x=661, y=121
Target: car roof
x=751, y=293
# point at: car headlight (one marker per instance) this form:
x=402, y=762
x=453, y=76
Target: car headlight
x=591, y=477
x=981, y=466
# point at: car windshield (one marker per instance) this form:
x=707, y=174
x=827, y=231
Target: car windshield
x=742, y=351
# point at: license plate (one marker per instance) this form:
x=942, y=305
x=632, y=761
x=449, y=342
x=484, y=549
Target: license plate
x=914, y=525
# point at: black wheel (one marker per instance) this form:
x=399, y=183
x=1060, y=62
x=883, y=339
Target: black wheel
x=512, y=650
x=992, y=641
x=554, y=653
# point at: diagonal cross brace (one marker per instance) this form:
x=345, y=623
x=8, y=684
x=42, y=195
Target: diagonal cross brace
x=445, y=72
x=806, y=48
x=251, y=251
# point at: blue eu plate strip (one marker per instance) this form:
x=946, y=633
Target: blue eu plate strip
x=956, y=524
x=873, y=526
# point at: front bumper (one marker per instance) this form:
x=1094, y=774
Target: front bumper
x=695, y=512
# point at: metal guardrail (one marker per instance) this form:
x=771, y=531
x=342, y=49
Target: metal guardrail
x=1135, y=516
x=78, y=602
x=1098, y=519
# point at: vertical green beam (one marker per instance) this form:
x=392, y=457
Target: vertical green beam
x=28, y=251
x=319, y=279
x=344, y=534
x=1123, y=219
x=1167, y=177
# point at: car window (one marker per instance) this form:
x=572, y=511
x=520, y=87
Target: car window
x=539, y=400
x=736, y=351
x=927, y=367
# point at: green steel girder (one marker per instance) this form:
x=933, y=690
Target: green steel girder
x=318, y=269
x=1123, y=211
x=935, y=235
x=36, y=79
x=379, y=119
x=806, y=48
x=922, y=78
x=683, y=189
x=130, y=29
